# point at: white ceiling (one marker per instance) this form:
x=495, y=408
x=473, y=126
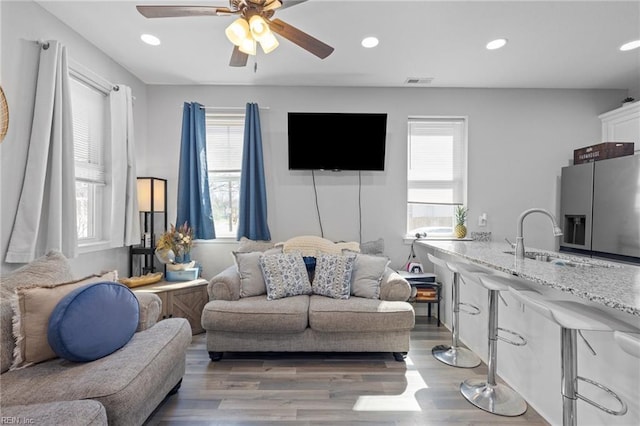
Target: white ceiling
x=552, y=44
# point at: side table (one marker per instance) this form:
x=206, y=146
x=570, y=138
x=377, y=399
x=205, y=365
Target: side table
x=180, y=299
x=424, y=290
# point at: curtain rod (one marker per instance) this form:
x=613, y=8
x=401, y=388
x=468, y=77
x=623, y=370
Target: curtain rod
x=84, y=74
x=227, y=108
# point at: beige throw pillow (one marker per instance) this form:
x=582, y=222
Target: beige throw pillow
x=32, y=307
x=367, y=274
x=246, y=245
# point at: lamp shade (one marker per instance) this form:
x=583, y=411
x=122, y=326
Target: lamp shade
x=151, y=194
x=248, y=46
x=238, y=31
x=269, y=42
x=259, y=27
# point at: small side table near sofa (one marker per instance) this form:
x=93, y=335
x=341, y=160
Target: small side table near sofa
x=180, y=299
x=424, y=289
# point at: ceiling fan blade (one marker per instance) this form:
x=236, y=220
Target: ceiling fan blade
x=238, y=58
x=302, y=39
x=180, y=11
x=290, y=3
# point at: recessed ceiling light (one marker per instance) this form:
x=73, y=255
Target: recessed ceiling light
x=630, y=46
x=369, y=42
x=150, y=39
x=496, y=44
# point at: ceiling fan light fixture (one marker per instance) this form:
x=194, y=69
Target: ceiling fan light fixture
x=248, y=46
x=269, y=43
x=259, y=27
x=238, y=31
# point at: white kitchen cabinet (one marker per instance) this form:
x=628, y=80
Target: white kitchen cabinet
x=622, y=124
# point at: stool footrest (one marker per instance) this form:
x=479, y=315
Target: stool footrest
x=520, y=342
x=623, y=406
x=474, y=309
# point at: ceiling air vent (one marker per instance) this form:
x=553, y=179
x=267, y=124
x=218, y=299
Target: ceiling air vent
x=419, y=80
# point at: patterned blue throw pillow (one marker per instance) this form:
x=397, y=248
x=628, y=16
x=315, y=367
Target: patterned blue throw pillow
x=333, y=275
x=285, y=275
x=93, y=321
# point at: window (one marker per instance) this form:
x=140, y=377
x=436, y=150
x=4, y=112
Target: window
x=90, y=118
x=225, y=136
x=436, y=174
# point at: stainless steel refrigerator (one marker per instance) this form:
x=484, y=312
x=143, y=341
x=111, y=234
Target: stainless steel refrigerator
x=600, y=208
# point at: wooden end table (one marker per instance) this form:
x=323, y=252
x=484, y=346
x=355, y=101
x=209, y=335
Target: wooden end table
x=180, y=299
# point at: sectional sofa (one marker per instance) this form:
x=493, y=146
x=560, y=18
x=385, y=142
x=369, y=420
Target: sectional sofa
x=122, y=388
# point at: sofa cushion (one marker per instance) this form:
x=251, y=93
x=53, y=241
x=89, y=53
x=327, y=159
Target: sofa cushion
x=51, y=268
x=251, y=280
x=375, y=248
x=246, y=245
x=332, y=277
x=68, y=413
x=250, y=272
x=367, y=274
x=285, y=275
x=310, y=263
x=32, y=308
x=130, y=382
x=257, y=315
x=359, y=314
x=93, y=321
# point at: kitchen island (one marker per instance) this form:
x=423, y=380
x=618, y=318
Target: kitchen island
x=612, y=284
x=533, y=370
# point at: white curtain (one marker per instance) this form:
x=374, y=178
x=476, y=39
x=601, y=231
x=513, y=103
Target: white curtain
x=46, y=216
x=124, y=207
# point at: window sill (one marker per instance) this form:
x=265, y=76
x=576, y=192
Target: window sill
x=94, y=246
x=217, y=240
x=411, y=240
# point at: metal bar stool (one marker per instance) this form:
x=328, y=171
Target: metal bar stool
x=572, y=317
x=455, y=355
x=486, y=394
x=629, y=343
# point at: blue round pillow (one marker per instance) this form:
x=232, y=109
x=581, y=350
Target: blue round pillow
x=93, y=321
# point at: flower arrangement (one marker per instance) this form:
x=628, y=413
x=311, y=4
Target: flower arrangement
x=178, y=239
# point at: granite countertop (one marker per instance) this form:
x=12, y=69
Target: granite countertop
x=614, y=284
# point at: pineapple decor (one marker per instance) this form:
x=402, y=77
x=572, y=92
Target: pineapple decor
x=460, y=231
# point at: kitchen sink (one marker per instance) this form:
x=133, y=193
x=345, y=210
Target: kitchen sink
x=561, y=261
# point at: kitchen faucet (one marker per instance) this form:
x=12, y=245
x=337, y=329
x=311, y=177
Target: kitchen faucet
x=520, y=239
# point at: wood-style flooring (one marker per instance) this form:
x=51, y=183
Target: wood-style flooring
x=328, y=389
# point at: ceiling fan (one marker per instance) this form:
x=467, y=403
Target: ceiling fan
x=253, y=27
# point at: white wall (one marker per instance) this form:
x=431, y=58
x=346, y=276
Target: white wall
x=22, y=24
x=518, y=142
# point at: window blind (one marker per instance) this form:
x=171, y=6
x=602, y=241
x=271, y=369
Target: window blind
x=225, y=137
x=437, y=163
x=89, y=120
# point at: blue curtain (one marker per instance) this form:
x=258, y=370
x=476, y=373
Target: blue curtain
x=194, y=202
x=253, y=194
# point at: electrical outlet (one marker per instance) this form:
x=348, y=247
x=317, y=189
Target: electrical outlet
x=482, y=220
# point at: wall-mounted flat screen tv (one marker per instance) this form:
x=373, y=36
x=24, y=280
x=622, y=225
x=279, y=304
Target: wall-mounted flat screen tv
x=337, y=141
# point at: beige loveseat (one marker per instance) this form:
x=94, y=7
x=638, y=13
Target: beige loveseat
x=122, y=388
x=379, y=321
